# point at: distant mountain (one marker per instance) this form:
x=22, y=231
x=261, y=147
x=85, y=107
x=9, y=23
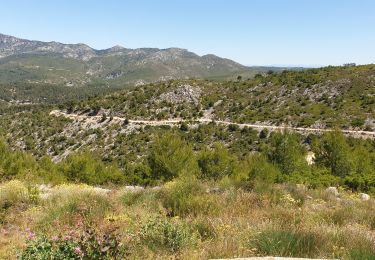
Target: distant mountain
x=10, y=45
x=28, y=69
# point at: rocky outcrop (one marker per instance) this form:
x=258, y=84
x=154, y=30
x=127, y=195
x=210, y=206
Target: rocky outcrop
x=364, y=196
x=333, y=191
x=183, y=93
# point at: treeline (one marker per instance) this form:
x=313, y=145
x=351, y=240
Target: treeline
x=338, y=160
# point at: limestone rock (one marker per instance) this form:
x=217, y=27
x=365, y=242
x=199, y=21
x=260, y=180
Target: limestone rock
x=364, y=196
x=333, y=191
x=133, y=188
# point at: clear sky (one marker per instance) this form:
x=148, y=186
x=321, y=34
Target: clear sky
x=252, y=32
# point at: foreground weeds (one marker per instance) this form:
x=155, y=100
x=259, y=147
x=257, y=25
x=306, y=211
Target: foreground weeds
x=183, y=220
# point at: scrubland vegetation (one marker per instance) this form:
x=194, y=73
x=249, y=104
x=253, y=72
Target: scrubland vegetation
x=97, y=188
x=197, y=204
x=328, y=97
x=182, y=220
x=280, y=157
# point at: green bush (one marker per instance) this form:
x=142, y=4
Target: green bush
x=287, y=153
x=216, y=163
x=168, y=234
x=86, y=168
x=15, y=164
x=256, y=170
x=170, y=156
x=186, y=196
x=21, y=165
x=333, y=151
x=43, y=248
x=139, y=174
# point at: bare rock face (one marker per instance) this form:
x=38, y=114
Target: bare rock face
x=183, y=93
x=333, y=191
x=310, y=157
x=364, y=196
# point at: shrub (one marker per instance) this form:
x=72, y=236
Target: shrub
x=170, y=156
x=332, y=151
x=67, y=201
x=205, y=229
x=48, y=172
x=184, y=127
x=264, y=133
x=316, y=177
x=43, y=248
x=186, y=196
x=256, y=170
x=139, y=174
x=169, y=234
x=217, y=163
x=287, y=153
x=15, y=164
x=287, y=243
x=86, y=168
x=88, y=244
x=13, y=193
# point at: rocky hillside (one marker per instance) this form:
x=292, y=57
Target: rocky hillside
x=342, y=97
x=51, y=71
x=123, y=122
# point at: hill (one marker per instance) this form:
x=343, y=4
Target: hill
x=342, y=97
x=202, y=185
x=124, y=122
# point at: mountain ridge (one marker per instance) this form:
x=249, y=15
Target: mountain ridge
x=11, y=45
x=53, y=72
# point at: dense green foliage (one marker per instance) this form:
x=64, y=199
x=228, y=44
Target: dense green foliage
x=170, y=157
x=339, y=161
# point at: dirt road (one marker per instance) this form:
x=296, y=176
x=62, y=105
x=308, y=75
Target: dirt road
x=364, y=134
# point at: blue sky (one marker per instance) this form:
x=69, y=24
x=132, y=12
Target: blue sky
x=252, y=32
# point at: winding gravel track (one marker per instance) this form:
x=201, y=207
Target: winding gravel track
x=360, y=133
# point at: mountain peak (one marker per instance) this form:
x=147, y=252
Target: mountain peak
x=116, y=48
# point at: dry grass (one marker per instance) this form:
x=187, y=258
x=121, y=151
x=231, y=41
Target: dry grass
x=182, y=221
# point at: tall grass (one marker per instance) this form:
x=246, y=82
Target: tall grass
x=187, y=196
x=15, y=192
x=287, y=243
x=67, y=202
